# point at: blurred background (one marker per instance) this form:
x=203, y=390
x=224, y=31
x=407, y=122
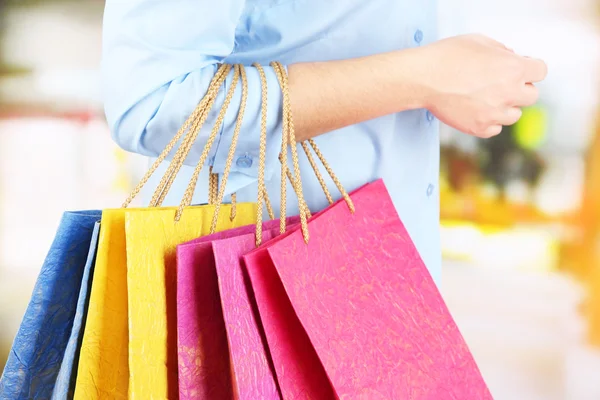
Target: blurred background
x=520, y=212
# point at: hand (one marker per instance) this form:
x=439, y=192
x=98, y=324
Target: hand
x=477, y=85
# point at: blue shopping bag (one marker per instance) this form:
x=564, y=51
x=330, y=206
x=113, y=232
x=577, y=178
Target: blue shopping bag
x=65, y=383
x=38, y=349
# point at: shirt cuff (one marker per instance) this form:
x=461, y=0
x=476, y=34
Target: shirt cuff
x=246, y=157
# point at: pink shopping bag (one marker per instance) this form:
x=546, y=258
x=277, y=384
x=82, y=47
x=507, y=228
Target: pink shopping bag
x=221, y=347
x=355, y=314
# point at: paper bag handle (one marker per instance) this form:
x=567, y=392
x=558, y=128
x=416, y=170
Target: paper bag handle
x=193, y=123
x=262, y=191
x=290, y=138
x=199, y=118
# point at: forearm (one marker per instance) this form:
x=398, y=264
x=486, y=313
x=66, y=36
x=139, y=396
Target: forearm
x=326, y=96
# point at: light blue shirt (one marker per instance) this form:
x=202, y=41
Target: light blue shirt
x=159, y=57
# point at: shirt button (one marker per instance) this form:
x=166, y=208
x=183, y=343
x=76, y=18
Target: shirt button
x=430, y=190
x=244, y=162
x=418, y=36
x=430, y=116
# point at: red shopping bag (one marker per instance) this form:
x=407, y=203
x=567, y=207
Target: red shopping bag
x=221, y=347
x=354, y=313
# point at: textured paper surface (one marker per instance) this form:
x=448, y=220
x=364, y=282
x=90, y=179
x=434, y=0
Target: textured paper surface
x=299, y=371
x=367, y=304
x=221, y=349
x=103, y=371
x=203, y=357
x=36, y=355
x=65, y=383
x=152, y=238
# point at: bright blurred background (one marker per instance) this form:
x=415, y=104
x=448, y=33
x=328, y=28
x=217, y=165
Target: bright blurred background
x=520, y=213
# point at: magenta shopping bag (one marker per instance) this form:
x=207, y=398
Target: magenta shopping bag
x=221, y=348
x=355, y=313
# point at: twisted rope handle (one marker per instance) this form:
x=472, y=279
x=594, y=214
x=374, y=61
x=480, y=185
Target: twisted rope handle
x=262, y=192
x=296, y=180
x=321, y=157
x=195, y=122
x=213, y=186
x=190, y=138
x=315, y=168
x=189, y=192
x=332, y=175
x=239, y=72
x=197, y=117
x=289, y=137
x=218, y=199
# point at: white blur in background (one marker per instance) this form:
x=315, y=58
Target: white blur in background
x=519, y=319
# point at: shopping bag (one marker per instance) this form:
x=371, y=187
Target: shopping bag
x=37, y=352
x=357, y=304
x=65, y=383
x=220, y=345
x=152, y=238
x=103, y=371
x=124, y=251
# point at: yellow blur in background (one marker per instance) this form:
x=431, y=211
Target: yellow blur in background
x=520, y=212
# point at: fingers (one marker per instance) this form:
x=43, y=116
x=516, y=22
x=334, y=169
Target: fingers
x=502, y=117
x=534, y=70
x=495, y=120
x=492, y=131
x=527, y=96
x=508, y=116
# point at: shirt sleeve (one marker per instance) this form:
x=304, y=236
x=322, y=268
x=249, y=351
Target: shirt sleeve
x=158, y=60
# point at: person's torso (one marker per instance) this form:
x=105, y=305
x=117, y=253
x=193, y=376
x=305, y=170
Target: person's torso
x=315, y=30
x=403, y=148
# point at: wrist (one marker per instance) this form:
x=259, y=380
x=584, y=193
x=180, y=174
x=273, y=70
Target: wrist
x=413, y=77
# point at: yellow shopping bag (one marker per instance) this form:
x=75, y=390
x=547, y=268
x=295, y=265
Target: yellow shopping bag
x=103, y=371
x=134, y=266
x=152, y=281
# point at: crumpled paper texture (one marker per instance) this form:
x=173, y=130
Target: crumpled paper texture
x=361, y=296
x=203, y=357
x=37, y=353
x=299, y=371
x=65, y=383
x=221, y=347
x=103, y=371
x=152, y=238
